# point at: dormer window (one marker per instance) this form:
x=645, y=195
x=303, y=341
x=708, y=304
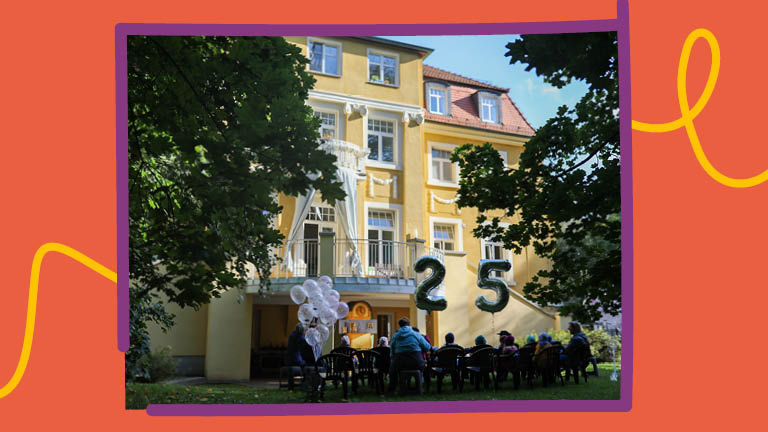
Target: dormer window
x=438, y=99
x=490, y=109
x=489, y=106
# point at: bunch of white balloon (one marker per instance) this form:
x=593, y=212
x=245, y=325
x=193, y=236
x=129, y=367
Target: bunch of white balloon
x=322, y=303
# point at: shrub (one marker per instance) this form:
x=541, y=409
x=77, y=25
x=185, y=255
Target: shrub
x=160, y=365
x=599, y=342
x=144, y=309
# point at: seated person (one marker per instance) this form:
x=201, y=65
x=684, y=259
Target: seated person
x=509, y=345
x=502, y=335
x=299, y=352
x=530, y=341
x=344, y=341
x=406, y=350
x=578, y=340
x=544, y=343
x=449, y=341
x=479, y=343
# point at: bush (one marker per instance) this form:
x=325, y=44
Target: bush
x=145, y=308
x=599, y=342
x=160, y=365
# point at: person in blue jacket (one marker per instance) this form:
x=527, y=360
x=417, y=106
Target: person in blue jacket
x=406, y=348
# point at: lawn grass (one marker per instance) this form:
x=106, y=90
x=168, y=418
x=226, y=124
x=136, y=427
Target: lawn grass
x=139, y=395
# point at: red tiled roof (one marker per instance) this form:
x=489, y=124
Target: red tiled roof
x=436, y=73
x=464, y=110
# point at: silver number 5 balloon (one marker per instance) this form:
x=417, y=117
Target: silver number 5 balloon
x=484, y=281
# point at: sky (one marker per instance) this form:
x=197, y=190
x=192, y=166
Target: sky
x=482, y=58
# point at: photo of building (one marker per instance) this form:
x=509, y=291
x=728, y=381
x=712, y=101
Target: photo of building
x=392, y=122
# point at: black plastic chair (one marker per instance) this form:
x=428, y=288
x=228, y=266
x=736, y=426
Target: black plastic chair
x=351, y=353
x=333, y=367
x=472, y=349
x=347, y=351
x=445, y=362
x=576, y=361
x=525, y=365
x=507, y=364
x=549, y=365
x=369, y=366
x=385, y=360
x=478, y=365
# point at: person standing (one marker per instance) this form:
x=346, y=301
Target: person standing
x=299, y=352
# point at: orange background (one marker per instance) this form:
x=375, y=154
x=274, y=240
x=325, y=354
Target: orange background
x=699, y=260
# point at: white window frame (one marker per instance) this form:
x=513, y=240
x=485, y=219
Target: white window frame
x=457, y=174
x=335, y=121
x=507, y=254
x=458, y=230
x=503, y=155
x=397, y=209
x=337, y=44
x=397, y=133
x=446, y=89
x=317, y=201
x=337, y=110
x=382, y=53
x=480, y=107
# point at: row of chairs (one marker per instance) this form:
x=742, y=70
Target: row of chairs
x=479, y=364
x=345, y=365
x=484, y=363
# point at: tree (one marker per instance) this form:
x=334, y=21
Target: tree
x=566, y=190
x=217, y=126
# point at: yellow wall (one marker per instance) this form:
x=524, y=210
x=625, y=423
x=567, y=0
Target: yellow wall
x=272, y=325
x=228, y=350
x=466, y=321
x=187, y=336
x=454, y=318
x=354, y=73
x=525, y=264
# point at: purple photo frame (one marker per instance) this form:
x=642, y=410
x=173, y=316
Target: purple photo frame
x=620, y=25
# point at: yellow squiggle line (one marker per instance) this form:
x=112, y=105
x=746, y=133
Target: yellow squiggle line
x=32, y=303
x=688, y=114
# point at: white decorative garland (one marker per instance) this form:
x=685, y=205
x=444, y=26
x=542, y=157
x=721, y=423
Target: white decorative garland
x=382, y=182
x=434, y=198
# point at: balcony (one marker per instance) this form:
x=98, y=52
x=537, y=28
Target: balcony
x=356, y=264
x=348, y=155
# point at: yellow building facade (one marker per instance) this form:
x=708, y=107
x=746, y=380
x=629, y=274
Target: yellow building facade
x=392, y=122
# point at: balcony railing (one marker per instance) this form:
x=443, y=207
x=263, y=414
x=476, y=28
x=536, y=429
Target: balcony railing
x=378, y=258
x=348, y=155
x=351, y=258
